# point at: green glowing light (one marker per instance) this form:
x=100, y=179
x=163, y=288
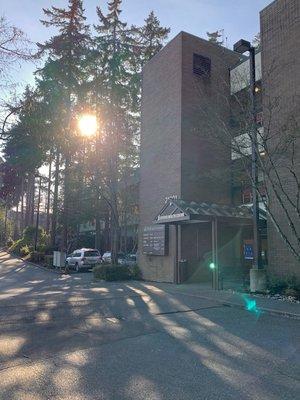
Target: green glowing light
x=212, y=266
x=251, y=306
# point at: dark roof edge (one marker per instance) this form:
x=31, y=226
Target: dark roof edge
x=268, y=6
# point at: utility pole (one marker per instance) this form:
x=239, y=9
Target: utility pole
x=241, y=47
x=254, y=170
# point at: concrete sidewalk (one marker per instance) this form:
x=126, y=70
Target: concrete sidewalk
x=235, y=299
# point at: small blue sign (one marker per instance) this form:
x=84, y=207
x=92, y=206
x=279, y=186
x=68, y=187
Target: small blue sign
x=248, y=251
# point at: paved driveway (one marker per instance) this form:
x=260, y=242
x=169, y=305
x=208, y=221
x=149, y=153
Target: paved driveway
x=65, y=337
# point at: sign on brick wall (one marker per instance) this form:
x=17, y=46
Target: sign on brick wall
x=155, y=240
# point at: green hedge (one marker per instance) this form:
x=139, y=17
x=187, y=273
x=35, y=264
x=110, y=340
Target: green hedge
x=116, y=272
x=289, y=286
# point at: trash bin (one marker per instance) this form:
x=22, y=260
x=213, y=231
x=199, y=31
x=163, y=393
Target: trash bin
x=183, y=272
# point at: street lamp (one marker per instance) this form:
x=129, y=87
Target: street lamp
x=242, y=46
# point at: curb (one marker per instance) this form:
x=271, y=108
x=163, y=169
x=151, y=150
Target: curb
x=227, y=303
x=54, y=271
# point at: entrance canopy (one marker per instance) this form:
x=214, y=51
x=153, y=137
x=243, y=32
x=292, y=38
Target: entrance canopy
x=177, y=211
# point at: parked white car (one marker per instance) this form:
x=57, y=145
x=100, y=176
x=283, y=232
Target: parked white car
x=129, y=259
x=83, y=259
x=106, y=258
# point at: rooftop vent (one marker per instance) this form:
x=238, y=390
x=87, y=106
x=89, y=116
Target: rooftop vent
x=201, y=65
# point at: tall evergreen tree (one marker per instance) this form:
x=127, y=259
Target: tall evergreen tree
x=112, y=49
x=152, y=37
x=121, y=53
x=148, y=40
x=69, y=50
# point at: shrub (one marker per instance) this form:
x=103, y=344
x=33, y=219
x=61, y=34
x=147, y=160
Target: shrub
x=24, y=251
x=27, y=241
x=37, y=257
x=41, y=248
x=136, y=273
x=49, y=261
x=116, y=272
x=289, y=286
x=15, y=248
x=9, y=242
x=292, y=292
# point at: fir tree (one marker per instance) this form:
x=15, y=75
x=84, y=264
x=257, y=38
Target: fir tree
x=152, y=37
x=112, y=54
x=215, y=37
x=256, y=42
x=69, y=49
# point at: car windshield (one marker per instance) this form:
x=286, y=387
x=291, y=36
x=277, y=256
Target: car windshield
x=91, y=253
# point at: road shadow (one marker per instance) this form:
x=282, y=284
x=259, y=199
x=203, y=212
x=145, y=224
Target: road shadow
x=66, y=337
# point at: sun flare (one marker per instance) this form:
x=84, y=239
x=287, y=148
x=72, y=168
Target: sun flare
x=87, y=124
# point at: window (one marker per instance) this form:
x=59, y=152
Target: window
x=247, y=196
x=241, y=145
x=201, y=65
x=91, y=253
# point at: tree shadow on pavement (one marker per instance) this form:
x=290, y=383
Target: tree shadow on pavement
x=65, y=337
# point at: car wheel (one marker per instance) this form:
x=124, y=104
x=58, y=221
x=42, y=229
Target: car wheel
x=77, y=269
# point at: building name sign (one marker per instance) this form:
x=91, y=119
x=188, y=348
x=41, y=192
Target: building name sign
x=171, y=217
x=155, y=240
x=173, y=197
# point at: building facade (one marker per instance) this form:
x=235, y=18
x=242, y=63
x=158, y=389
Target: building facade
x=186, y=102
x=191, y=181
x=280, y=36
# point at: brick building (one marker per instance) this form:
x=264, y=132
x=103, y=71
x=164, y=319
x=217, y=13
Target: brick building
x=181, y=158
x=280, y=35
x=188, y=193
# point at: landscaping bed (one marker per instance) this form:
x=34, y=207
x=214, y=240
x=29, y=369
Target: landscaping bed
x=111, y=273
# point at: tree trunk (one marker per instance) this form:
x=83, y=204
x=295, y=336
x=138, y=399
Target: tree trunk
x=55, y=200
x=66, y=205
x=32, y=201
x=5, y=223
x=98, y=231
x=29, y=200
x=49, y=195
x=37, y=215
x=16, y=223
x=22, y=207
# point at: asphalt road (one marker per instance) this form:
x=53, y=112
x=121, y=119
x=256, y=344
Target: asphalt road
x=65, y=337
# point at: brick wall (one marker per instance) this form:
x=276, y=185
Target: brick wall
x=160, y=149
x=280, y=31
x=205, y=112
x=180, y=151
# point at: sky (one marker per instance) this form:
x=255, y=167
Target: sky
x=238, y=18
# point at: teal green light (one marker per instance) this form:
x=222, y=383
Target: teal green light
x=251, y=305
x=212, y=265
